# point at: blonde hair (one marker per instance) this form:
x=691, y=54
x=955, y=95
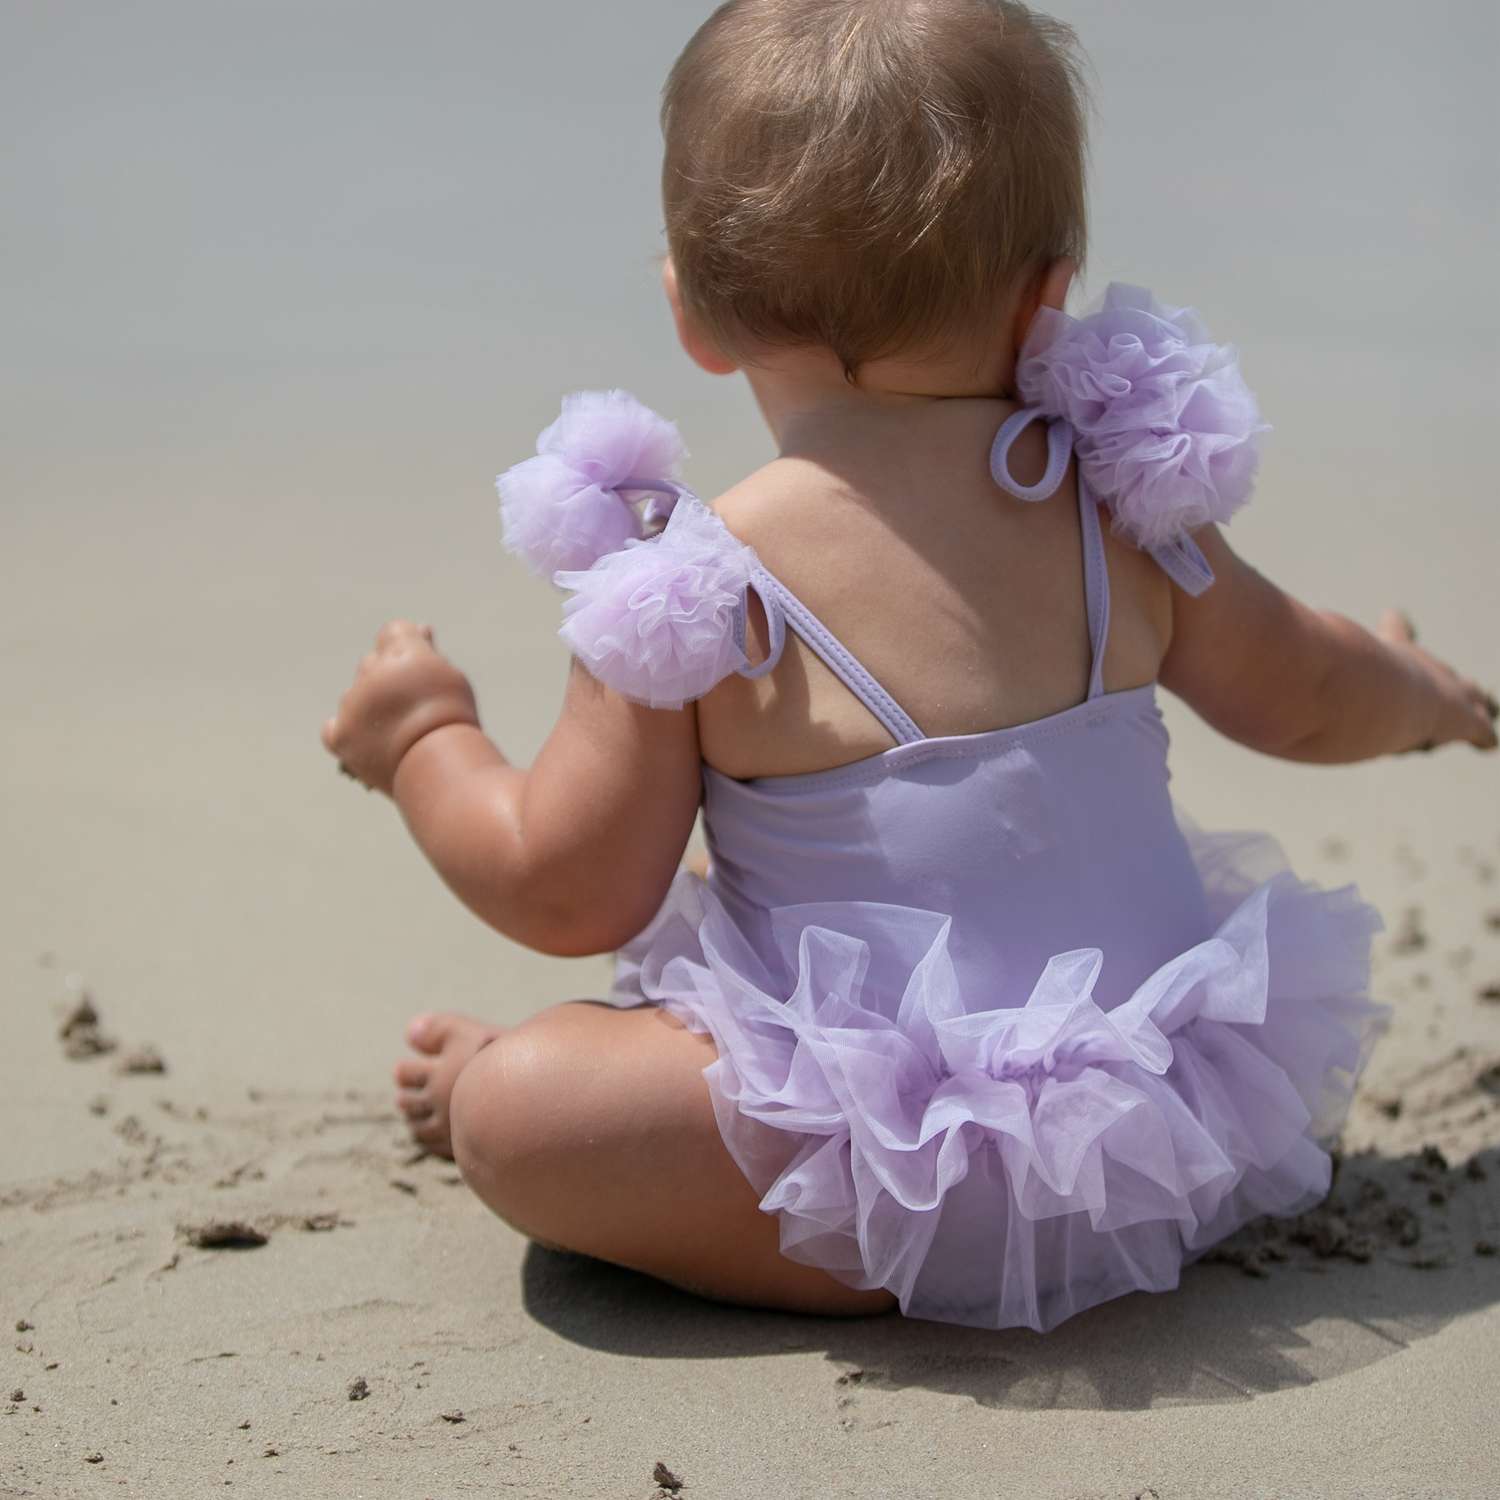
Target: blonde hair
x=869, y=176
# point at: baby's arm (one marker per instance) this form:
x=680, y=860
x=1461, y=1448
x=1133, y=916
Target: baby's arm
x=1309, y=684
x=573, y=856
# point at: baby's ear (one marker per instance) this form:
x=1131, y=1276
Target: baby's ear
x=695, y=343
x=1057, y=280
x=1049, y=290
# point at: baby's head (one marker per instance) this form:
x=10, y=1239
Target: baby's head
x=872, y=178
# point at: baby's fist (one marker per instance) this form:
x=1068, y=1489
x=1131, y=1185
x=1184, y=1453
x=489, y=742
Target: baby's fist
x=402, y=690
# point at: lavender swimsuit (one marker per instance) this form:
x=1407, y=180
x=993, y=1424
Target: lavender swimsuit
x=996, y=1029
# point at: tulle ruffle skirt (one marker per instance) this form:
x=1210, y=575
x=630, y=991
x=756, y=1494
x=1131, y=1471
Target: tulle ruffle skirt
x=1012, y=1167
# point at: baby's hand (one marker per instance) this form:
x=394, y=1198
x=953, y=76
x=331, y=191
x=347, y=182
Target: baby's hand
x=1462, y=710
x=402, y=690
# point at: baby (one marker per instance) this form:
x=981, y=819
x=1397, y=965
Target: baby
x=960, y=1017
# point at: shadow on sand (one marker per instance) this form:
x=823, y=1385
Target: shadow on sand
x=1224, y=1335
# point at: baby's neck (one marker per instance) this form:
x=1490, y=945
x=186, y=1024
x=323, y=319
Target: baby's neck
x=804, y=395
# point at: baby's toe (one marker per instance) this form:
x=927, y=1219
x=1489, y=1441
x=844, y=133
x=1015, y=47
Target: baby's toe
x=433, y=1133
x=425, y=1032
x=415, y=1106
x=412, y=1073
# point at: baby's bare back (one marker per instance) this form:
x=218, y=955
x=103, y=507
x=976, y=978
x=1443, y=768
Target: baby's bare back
x=966, y=603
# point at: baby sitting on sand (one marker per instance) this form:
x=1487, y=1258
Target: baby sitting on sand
x=962, y=1017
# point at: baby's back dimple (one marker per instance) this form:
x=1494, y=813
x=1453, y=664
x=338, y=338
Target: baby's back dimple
x=1059, y=837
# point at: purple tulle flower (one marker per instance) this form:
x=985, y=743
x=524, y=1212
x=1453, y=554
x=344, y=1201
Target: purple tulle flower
x=657, y=621
x=1166, y=426
x=565, y=508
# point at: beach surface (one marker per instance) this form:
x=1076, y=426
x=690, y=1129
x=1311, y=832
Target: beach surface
x=279, y=304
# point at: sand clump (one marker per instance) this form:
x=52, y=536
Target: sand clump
x=141, y=1060
x=223, y=1234
x=665, y=1480
x=1410, y=933
x=83, y=1037
x=1407, y=1208
x=82, y=1033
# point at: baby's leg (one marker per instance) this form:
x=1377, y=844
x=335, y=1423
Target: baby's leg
x=590, y=1128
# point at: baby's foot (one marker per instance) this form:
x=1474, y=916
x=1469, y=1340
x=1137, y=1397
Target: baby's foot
x=425, y=1084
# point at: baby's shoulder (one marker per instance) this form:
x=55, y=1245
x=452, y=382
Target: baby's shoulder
x=769, y=499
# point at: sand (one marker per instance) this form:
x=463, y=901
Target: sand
x=278, y=305
x=265, y=1287
x=226, y=1266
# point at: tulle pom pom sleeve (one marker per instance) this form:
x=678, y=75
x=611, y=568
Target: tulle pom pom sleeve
x=1166, y=427
x=575, y=501
x=661, y=621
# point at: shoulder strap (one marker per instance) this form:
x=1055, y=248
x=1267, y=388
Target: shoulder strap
x=1059, y=454
x=783, y=608
x=1060, y=437
x=1181, y=559
x=1095, y=583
